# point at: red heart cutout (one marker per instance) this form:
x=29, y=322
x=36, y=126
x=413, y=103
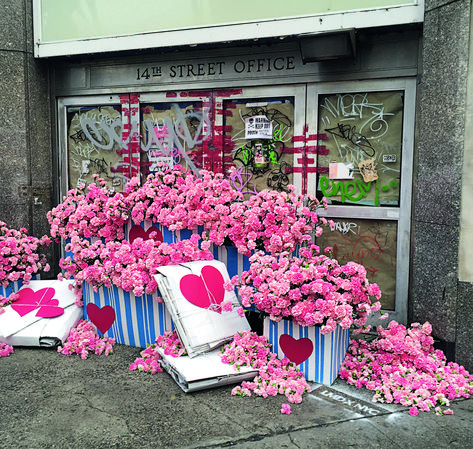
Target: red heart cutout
x=103, y=317
x=296, y=351
x=30, y=300
x=205, y=291
x=138, y=232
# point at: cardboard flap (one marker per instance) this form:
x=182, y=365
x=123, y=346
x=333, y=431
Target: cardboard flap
x=194, y=295
x=204, y=371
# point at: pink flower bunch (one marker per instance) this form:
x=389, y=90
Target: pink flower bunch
x=179, y=199
x=274, y=376
x=129, y=266
x=98, y=213
x=149, y=360
x=271, y=221
x=403, y=367
x=5, y=350
x=313, y=290
x=84, y=339
x=20, y=256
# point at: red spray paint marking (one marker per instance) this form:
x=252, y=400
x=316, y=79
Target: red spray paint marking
x=228, y=92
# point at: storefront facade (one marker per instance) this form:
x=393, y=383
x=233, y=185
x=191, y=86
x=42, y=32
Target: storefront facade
x=327, y=100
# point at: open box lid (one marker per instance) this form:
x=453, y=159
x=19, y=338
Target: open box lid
x=193, y=293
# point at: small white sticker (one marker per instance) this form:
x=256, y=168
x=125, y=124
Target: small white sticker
x=389, y=158
x=339, y=170
x=258, y=127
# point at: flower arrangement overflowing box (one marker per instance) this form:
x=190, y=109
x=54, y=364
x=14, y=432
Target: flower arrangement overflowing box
x=320, y=356
x=131, y=320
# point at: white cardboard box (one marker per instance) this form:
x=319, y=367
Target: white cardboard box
x=43, y=317
x=193, y=293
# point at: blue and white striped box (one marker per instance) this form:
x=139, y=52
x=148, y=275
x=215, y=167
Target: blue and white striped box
x=10, y=288
x=327, y=356
x=139, y=320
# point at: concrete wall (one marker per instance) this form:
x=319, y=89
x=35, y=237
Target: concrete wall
x=25, y=124
x=435, y=293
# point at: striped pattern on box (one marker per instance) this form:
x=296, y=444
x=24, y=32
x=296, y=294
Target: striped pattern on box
x=329, y=350
x=139, y=319
x=10, y=288
x=15, y=286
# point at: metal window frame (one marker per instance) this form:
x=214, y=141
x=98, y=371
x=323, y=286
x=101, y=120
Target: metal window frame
x=401, y=214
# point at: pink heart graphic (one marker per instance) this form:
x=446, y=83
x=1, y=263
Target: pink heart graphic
x=138, y=232
x=42, y=299
x=103, y=317
x=205, y=291
x=296, y=351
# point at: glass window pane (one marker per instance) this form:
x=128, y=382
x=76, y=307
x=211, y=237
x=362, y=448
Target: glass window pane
x=359, y=151
x=174, y=133
x=94, y=142
x=371, y=243
x=258, y=142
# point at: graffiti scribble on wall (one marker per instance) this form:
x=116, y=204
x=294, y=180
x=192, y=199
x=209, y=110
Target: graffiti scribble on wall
x=362, y=128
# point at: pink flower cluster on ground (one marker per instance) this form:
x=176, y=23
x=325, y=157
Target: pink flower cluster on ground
x=275, y=376
x=84, y=340
x=5, y=350
x=20, y=256
x=129, y=266
x=313, y=289
x=149, y=360
x=403, y=367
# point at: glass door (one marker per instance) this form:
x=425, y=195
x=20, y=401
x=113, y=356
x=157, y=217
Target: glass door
x=362, y=139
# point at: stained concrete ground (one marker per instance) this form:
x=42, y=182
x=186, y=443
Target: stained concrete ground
x=49, y=400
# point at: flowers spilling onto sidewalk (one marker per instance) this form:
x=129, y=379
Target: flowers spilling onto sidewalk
x=5, y=350
x=312, y=290
x=84, y=340
x=129, y=266
x=275, y=376
x=150, y=357
x=402, y=367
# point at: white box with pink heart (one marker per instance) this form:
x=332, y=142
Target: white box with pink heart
x=43, y=314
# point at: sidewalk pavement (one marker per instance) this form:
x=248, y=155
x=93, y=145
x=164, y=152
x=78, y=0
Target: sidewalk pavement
x=50, y=400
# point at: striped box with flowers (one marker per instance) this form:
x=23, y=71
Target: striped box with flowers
x=138, y=320
x=320, y=356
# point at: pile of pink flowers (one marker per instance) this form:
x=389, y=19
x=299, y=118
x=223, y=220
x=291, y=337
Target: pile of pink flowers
x=271, y=221
x=179, y=200
x=84, y=340
x=5, y=350
x=129, y=266
x=99, y=213
x=402, y=367
x=150, y=357
x=274, y=376
x=20, y=257
x=313, y=290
